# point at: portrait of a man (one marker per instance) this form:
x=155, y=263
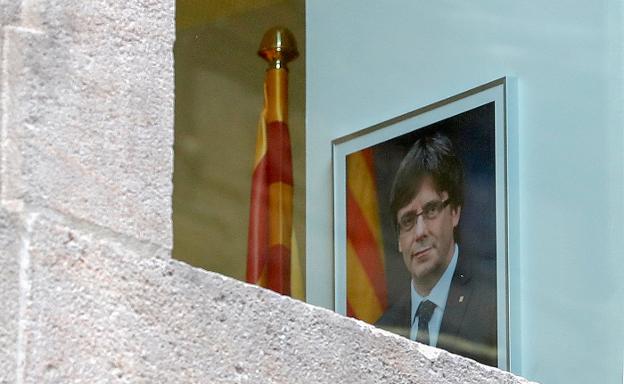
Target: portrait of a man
x=451, y=301
x=425, y=234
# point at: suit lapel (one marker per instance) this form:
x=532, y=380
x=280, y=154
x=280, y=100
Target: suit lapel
x=397, y=318
x=406, y=315
x=456, y=303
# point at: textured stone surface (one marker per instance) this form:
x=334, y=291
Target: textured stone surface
x=9, y=11
x=90, y=101
x=99, y=312
x=9, y=294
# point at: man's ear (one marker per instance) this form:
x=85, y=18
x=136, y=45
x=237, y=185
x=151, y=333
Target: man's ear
x=400, y=250
x=455, y=214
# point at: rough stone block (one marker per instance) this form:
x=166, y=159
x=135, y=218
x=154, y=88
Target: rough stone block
x=94, y=309
x=9, y=293
x=99, y=312
x=9, y=11
x=90, y=113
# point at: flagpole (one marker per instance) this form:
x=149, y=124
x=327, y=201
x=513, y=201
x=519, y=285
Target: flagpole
x=277, y=48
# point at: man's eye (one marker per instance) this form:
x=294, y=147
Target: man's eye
x=430, y=210
x=407, y=221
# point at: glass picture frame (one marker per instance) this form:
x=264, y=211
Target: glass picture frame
x=369, y=266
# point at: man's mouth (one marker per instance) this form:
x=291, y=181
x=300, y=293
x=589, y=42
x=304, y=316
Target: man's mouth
x=419, y=254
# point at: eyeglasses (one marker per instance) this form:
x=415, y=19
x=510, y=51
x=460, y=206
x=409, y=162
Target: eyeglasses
x=430, y=211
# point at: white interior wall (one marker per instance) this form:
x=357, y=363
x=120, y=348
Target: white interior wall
x=369, y=61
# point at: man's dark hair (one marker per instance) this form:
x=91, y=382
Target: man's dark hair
x=431, y=155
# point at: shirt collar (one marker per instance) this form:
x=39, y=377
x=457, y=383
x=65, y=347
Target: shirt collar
x=439, y=292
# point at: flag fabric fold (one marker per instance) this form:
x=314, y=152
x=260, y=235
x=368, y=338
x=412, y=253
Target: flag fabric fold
x=366, y=281
x=271, y=241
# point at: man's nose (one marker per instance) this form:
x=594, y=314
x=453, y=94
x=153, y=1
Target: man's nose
x=420, y=228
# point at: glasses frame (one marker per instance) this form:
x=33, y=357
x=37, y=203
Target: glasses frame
x=440, y=206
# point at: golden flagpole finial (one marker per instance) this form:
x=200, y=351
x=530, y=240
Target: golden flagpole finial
x=278, y=47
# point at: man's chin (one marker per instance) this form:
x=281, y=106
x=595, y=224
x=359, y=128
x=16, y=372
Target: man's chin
x=420, y=271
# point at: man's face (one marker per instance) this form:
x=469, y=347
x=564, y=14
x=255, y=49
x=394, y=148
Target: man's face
x=427, y=247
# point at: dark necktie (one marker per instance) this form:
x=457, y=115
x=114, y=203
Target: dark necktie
x=424, y=312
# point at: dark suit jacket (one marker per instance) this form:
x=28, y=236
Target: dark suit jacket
x=469, y=321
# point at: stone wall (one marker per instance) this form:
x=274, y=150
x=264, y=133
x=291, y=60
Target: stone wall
x=89, y=292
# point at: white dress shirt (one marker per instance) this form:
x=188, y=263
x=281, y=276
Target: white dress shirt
x=438, y=296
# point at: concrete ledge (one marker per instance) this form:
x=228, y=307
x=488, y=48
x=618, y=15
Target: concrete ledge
x=101, y=313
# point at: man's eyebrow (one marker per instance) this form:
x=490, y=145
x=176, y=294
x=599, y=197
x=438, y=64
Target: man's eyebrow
x=430, y=202
x=412, y=211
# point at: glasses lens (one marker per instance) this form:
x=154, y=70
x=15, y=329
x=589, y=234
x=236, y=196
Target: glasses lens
x=407, y=222
x=430, y=211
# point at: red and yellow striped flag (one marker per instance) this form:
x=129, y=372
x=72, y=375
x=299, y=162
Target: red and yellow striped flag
x=271, y=251
x=366, y=281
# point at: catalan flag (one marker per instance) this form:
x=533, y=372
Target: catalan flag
x=271, y=252
x=366, y=281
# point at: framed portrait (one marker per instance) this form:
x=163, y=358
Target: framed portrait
x=421, y=224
